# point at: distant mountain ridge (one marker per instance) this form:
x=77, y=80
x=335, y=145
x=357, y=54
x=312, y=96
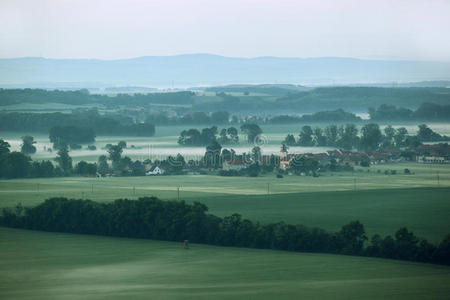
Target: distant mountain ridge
x=208, y=70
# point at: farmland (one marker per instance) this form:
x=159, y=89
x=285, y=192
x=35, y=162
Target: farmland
x=383, y=203
x=43, y=265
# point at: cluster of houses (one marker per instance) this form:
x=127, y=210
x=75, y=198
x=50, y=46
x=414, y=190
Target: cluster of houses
x=150, y=170
x=342, y=157
x=432, y=154
x=435, y=153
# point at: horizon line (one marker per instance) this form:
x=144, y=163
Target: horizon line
x=230, y=57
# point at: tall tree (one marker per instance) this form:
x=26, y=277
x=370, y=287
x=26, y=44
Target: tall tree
x=252, y=131
x=426, y=134
x=289, y=140
x=28, y=145
x=306, y=136
x=388, y=140
x=349, y=137
x=400, y=137
x=331, y=133
x=223, y=137
x=212, y=155
x=370, y=137
x=4, y=147
x=353, y=237
x=14, y=165
x=102, y=164
x=233, y=133
x=115, y=154
x=319, y=138
x=64, y=160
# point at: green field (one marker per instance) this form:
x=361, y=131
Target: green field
x=383, y=203
x=39, y=265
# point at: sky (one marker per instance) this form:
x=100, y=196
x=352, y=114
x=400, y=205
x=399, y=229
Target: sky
x=112, y=29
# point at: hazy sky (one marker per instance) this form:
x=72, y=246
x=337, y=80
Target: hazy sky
x=109, y=29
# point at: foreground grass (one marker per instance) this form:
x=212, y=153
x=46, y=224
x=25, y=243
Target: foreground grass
x=39, y=265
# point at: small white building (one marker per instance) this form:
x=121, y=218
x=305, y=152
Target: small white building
x=432, y=159
x=155, y=171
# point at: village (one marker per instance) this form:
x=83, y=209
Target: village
x=228, y=163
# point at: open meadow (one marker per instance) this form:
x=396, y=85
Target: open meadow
x=383, y=203
x=41, y=265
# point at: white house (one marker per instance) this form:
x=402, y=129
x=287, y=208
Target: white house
x=432, y=159
x=155, y=171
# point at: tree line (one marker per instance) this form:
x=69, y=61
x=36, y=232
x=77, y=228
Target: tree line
x=195, y=137
x=79, y=97
x=226, y=136
x=361, y=98
x=152, y=218
x=369, y=138
x=426, y=111
x=20, y=165
x=111, y=124
x=431, y=103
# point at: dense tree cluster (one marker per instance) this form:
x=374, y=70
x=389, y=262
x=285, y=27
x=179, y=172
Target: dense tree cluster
x=426, y=134
x=253, y=131
x=20, y=165
x=361, y=98
x=112, y=124
x=190, y=118
x=85, y=169
x=430, y=103
x=227, y=103
x=70, y=135
x=177, y=221
x=305, y=165
x=370, y=137
x=338, y=115
x=345, y=137
x=426, y=111
x=138, y=99
x=39, y=96
x=195, y=137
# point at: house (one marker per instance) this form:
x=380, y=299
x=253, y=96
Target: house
x=233, y=164
x=105, y=173
x=323, y=158
x=155, y=171
x=432, y=159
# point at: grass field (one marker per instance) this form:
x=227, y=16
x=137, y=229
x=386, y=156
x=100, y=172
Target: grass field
x=39, y=265
x=383, y=203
